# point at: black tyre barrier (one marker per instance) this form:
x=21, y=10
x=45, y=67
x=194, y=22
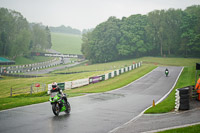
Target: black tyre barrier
x=182, y=99
x=184, y=107
x=185, y=96
x=183, y=91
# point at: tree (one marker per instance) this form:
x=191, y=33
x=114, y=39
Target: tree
x=48, y=34
x=132, y=41
x=18, y=37
x=6, y=31
x=86, y=45
x=41, y=38
x=173, y=30
x=102, y=41
x=21, y=36
x=155, y=26
x=190, y=31
x=63, y=29
x=160, y=33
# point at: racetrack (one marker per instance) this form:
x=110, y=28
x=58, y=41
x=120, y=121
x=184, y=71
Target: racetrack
x=48, y=70
x=94, y=113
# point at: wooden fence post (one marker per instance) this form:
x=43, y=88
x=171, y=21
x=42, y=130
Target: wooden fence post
x=11, y=91
x=31, y=90
x=44, y=87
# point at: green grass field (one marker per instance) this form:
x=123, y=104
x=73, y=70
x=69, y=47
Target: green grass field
x=20, y=60
x=66, y=43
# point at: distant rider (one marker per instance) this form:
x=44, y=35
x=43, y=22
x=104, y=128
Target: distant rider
x=56, y=88
x=166, y=72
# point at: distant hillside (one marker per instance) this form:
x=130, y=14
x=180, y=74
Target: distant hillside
x=63, y=29
x=66, y=43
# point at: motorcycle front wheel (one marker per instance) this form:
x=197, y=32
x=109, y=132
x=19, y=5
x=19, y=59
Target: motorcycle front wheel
x=55, y=108
x=68, y=108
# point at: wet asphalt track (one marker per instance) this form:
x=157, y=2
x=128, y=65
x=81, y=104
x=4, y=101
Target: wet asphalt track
x=95, y=113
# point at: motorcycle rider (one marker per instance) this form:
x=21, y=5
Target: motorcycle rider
x=56, y=88
x=166, y=72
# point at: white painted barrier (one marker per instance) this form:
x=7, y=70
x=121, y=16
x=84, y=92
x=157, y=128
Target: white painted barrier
x=130, y=68
x=126, y=69
x=113, y=74
x=118, y=72
x=122, y=70
x=49, y=88
x=68, y=85
x=177, y=100
x=106, y=76
x=80, y=82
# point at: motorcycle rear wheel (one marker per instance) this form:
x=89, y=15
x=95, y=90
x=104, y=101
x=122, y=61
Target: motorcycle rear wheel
x=55, y=108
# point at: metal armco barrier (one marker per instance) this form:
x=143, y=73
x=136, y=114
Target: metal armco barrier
x=28, y=67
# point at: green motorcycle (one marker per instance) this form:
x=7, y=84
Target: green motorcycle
x=59, y=104
x=166, y=72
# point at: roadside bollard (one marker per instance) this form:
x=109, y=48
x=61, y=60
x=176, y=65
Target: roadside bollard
x=153, y=103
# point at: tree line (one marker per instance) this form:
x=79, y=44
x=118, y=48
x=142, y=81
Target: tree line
x=63, y=29
x=68, y=30
x=18, y=37
x=172, y=32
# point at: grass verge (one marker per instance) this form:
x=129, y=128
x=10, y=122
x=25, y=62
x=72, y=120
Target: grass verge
x=35, y=59
x=189, y=129
x=12, y=102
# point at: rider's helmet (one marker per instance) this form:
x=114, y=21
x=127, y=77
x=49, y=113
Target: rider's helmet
x=54, y=85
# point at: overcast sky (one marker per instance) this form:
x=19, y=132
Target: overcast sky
x=84, y=14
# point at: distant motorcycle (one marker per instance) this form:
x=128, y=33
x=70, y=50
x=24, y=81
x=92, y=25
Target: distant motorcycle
x=166, y=72
x=59, y=104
